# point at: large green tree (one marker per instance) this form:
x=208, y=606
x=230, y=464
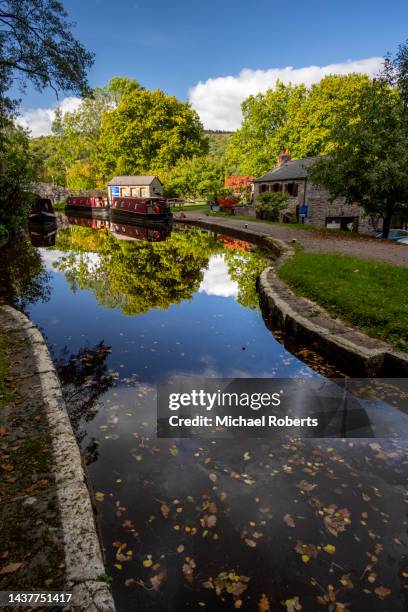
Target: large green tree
x=36, y=46
x=148, y=131
x=369, y=156
x=198, y=177
x=293, y=117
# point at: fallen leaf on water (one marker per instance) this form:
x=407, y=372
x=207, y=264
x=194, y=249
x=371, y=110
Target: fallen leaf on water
x=250, y=543
x=10, y=568
x=180, y=548
x=99, y=496
x=289, y=520
x=165, y=510
x=147, y=563
x=156, y=580
x=306, y=486
x=264, y=605
x=173, y=450
x=188, y=569
x=329, y=548
x=238, y=603
x=246, y=456
x=212, y=477
x=382, y=592
x=292, y=605
x=346, y=582
x=305, y=558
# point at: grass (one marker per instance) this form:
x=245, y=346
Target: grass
x=372, y=296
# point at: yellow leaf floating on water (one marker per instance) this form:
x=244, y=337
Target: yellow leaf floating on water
x=118, y=566
x=305, y=558
x=147, y=563
x=99, y=496
x=246, y=456
x=329, y=548
x=264, y=605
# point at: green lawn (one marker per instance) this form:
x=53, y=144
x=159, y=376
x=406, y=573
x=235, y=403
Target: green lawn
x=370, y=295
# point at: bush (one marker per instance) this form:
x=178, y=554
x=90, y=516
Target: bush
x=271, y=205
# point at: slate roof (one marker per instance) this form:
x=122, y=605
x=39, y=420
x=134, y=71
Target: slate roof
x=134, y=181
x=290, y=170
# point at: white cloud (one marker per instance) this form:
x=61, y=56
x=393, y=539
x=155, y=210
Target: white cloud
x=216, y=280
x=218, y=100
x=39, y=120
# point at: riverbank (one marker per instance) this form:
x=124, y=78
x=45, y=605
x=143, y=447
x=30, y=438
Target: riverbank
x=307, y=322
x=48, y=536
x=315, y=241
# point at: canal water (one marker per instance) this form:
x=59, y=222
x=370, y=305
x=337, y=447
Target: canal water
x=193, y=524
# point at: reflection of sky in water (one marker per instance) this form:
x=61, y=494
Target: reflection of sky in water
x=216, y=280
x=210, y=335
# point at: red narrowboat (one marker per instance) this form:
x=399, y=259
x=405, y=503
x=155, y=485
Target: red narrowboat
x=124, y=231
x=87, y=221
x=42, y=211
x=151, y=210
x=95, y=206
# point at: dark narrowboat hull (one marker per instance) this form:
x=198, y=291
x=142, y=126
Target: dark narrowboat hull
x=42, y=217
x=87, y=211
x=142, y=218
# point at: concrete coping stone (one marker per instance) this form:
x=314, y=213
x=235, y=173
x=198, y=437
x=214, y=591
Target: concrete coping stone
x=83, y=558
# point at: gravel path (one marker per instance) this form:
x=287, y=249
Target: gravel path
x=320, y=242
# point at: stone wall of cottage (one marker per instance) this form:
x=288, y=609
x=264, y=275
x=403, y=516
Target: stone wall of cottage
x=319, y=205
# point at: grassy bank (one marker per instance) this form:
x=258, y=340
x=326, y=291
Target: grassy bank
x=370, y=295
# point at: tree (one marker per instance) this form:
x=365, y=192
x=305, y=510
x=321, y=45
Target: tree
x=36, y=44
x=147, y=132
x=292, y=117
x=368, y=165
x=198, y=177
x=16, y=174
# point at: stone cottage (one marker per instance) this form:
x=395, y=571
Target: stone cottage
x=309, y=203
x=135, y=186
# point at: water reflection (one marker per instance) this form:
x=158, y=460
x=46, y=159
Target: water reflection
x=201, y=523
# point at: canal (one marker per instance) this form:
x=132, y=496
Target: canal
x=191, y=524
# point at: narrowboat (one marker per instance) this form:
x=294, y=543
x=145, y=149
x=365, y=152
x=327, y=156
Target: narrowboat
x=94, y=206
x=126, y=231
x=42, y=235
x=142, y=210
x=42, y=211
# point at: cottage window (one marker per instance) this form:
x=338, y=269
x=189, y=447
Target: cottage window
x=277, y=187
x=292, y=189
x=264, y=188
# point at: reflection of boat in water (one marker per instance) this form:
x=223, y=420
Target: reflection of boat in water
x=153, y=210
x=42, y=235
x=88, y=221
x=94, y=206
x=127, y=231
x=42, y=211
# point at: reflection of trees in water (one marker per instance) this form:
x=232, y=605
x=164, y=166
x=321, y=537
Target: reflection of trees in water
x=136, y=276
x=23, y=279
x=84, y=377
x=244, y=268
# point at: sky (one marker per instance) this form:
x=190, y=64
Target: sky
x=214, y=53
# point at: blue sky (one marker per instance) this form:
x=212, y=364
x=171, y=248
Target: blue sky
x=175, y=45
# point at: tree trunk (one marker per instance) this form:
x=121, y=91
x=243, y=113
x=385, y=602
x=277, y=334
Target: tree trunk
x=387, y=221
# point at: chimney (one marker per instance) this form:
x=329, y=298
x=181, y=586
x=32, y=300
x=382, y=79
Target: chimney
x=283, y=157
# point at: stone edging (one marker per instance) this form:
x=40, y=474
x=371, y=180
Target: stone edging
x=352, y=351
x=84, y=564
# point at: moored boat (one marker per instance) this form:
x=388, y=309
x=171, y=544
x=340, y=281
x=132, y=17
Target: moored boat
x=95, y=206
x=88, y=221
x=42, y=211
x=145, y=233
x=151, y=210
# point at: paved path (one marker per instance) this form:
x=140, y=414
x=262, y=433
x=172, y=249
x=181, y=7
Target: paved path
x=48, y=539
x=320, y=242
